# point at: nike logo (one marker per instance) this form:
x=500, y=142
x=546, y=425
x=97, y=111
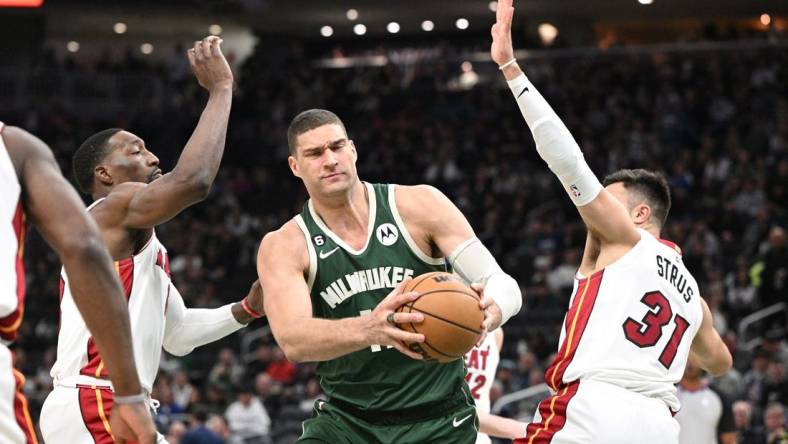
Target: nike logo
x=456, y=423
x=325, y=255
x=522, y=92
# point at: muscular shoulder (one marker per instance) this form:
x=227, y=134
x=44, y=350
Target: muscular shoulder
x=420, y=204
x=285, y=245
x=113, y=208
x=23, y=146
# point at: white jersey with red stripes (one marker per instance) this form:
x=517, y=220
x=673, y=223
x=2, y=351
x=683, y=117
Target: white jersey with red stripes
x=146, y=282
x=16, y=426
x=632, y=323
x=624, y=345
x=12, y=240
x=481, y=363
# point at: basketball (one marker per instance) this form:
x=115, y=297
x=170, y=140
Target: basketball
x=452, y=316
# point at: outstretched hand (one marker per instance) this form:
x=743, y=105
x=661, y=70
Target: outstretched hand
x=501, y=50
x=209, y=65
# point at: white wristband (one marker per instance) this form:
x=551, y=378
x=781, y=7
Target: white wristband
x=131, y=399
x=501, y=67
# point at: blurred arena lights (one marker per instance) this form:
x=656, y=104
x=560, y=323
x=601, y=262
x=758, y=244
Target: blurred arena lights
x=215, y=29
x=72, y=46
x=645, y=2
x=21, y=3
x=360, y=29
x=493, y=5
x=547, y=33
x=119, y=28
x=393, y=27
x=326, y=31
x=427, y=25
x=146, y=48
x=351, y=14
x=766, y=19
x=462, y=23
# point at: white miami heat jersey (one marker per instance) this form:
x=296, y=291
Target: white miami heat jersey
x=12, y=241
x=146, y=282
x=631, y=324
x=481, y=363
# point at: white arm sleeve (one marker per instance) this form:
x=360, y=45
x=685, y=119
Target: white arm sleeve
x=555, y=143
x=474, y=263
x=188, y=328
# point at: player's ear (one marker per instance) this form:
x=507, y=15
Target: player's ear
x=293, y=166
x=353, y=149
x=641, y=214
x=101, y=174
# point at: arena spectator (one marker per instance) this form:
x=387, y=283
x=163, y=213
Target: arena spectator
x=248, y=420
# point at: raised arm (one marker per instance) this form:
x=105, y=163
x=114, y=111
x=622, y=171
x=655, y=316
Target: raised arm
x=605, y=216
x=188, y=328
x=58, y=213
x=707, y=350
x=281, y=265
x=436, y=223
x=191, y=179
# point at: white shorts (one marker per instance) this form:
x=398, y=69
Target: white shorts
x=597, y=412
x=78, y=415
x=16, y=427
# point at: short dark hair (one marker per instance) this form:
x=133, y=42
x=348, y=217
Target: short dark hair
x=651, y=186
x=309, y=120
x=88, y=155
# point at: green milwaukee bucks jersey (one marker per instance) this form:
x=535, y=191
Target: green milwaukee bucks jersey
x=344, y=283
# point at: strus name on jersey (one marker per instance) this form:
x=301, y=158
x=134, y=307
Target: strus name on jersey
x=671, y=273
x=364, y=280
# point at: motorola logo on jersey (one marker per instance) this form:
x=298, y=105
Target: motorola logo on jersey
x=318, y=240
x=387, y=234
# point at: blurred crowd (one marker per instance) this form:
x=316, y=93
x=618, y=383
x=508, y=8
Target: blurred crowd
x=716, y=123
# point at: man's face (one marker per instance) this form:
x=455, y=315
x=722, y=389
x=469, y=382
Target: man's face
x=774, y=418
x=636, y=212
x=741, y=415
x=325, y=160
x=620, y=192
x=129, y=160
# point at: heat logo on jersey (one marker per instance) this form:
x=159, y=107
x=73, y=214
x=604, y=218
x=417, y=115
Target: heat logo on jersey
x=476, y=362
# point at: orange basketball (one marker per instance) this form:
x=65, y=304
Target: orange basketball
x=452, y=317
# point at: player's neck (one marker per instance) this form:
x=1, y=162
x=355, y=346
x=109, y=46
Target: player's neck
x=347, y=212
x=651, y=229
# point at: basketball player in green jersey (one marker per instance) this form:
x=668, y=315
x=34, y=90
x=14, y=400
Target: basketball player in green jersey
x=333, y=277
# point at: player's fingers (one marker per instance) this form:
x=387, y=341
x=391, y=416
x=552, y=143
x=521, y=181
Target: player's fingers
x=216, y=48
x=508, y=17
x=398, y=300
x=399, y=289
x=206, y=46
x=481, y=337
x=485, y=302
x=408, y=352
x=198, y=54
x=405, y=336
x=407, y=318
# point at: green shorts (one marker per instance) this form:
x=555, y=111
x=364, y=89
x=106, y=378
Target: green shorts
x=330, y=424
